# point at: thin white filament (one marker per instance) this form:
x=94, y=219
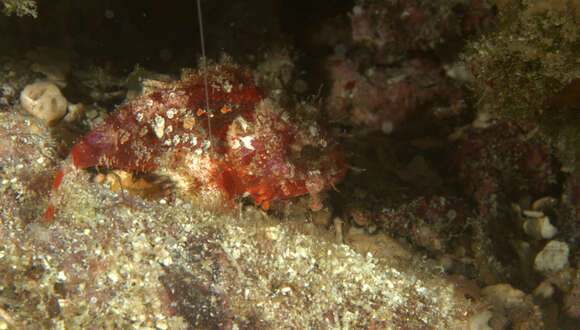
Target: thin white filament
x=204, y=66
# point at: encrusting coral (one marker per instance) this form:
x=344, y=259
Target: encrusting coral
x=20, y=7
x=527, y=69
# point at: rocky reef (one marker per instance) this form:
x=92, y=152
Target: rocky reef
x=455, y=120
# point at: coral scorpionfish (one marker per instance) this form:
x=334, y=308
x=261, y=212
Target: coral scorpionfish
x=256, y=147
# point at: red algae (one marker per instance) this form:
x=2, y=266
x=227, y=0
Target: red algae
x=257, y=148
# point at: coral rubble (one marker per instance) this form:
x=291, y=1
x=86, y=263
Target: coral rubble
x=115, y=262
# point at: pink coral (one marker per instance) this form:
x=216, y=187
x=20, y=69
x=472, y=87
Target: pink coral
x=395, y=27
x=505, y=158
x=385, y=98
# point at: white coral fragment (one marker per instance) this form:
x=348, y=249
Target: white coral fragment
x=44, y=101
x=553, y=258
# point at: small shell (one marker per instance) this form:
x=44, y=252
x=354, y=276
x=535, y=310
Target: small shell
x=533, y=214
x=544, y=203
x=540, y=228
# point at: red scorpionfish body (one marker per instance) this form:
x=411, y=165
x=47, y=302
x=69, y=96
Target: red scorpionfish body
x=257, y=148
